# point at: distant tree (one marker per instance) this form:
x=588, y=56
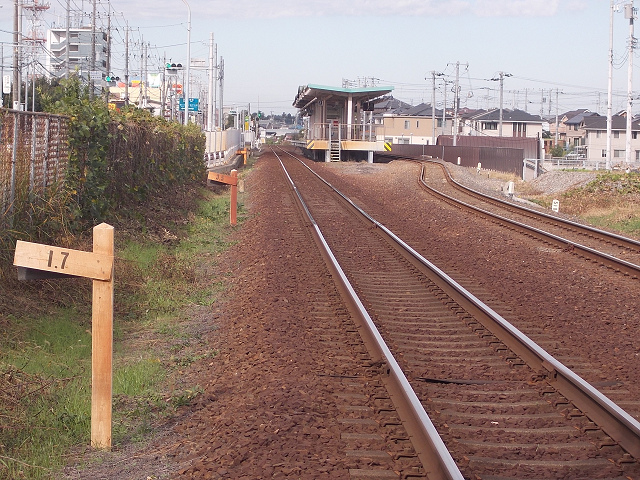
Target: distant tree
x=557, y=151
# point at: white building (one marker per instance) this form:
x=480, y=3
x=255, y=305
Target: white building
x=79, y=49
x=595, y=139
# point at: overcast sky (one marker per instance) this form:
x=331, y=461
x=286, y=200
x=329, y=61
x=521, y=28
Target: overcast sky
x=270, y=47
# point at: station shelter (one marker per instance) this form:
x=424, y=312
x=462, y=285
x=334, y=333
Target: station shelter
x=339, y=122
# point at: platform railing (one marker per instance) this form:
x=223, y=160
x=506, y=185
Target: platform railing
x=327, y=131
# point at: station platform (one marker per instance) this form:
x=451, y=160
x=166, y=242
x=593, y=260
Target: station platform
x=339, y=122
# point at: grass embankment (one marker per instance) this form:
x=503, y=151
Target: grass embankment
x=164, y=291
x=610, y=202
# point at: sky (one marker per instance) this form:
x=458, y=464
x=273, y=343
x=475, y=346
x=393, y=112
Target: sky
x=546, y=49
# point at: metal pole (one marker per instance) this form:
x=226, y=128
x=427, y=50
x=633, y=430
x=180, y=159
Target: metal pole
x=16, y=54
x=557, y=118
x=222, y=125
x=630, y=14
x=501, y=104
x=455, y=105
x=93, y=50
x=610, y=89
x=211, y=82
x=2, y=74
x=444, y=107
x=186, y=83
x=433, y=108
x=126, y=66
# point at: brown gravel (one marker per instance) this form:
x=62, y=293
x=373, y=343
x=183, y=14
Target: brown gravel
x=267, y=411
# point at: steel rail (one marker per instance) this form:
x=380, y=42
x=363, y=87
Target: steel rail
x=605, y=413
x=602, y=234
x=616, y=263
x=429, y=447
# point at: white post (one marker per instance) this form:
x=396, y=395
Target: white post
x=630, y=14
x=610, y=89
x=349, y=116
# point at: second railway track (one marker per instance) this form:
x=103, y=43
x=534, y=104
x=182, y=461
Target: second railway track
x=501, y=415
x=615, y=251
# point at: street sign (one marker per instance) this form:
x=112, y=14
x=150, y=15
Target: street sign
x=194, y=104
x=95, y=75
x=6, y=84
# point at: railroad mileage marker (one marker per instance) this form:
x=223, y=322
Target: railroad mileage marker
x=63, y=260
x=45, y=261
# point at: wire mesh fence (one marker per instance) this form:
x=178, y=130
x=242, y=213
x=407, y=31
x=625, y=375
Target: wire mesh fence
x=34, y=156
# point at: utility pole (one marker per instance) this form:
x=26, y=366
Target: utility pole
x=222, y=125
x=433, y=105
x=629, y=13
x=444, y=107
x=501, y=80
x=66, y=50
x=107, y=92
x=141, y=84
x=557, y=119
x=126, y=65
x=16, y=56
x=456, y=105
x=610, y=89
x=93, y=48
x=186, y=83
x=146, y=73
x=2, y=74
x=216, y=119
x=211, y=82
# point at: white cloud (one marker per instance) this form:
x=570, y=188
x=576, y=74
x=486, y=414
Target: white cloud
x=516, y=8
x=350, y=8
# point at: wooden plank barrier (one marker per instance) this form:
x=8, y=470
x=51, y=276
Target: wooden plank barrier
x=243, y=152
x=32, y=259
x=233, y=181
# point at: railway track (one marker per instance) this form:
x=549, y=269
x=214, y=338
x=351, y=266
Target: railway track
x=504, y=408
x=609, y=249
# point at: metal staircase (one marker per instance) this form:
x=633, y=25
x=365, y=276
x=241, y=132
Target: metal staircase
x=334, y=143
x=335, y=150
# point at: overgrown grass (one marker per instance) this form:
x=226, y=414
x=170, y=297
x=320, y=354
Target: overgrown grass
x=611, y=201
x=45, y=363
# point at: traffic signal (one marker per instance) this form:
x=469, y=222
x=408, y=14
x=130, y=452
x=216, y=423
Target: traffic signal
x=111, y=78
x=173, y=67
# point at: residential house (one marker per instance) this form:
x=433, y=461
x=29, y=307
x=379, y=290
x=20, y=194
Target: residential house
x=413, y=125
x=574, y=135
x=514, y=123
x=595, y=139
x=558, y=124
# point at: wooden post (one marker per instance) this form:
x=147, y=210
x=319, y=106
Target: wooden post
x=102, y=344
x=228, y=180
x=234, y=197
x=35, y=261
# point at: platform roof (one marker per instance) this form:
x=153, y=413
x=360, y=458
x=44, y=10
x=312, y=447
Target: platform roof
x=308, y=93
